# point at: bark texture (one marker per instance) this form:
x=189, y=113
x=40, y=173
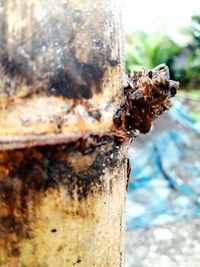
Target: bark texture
x=61, y=208
x=60, y=69
x=62, y=170
x=67, y=112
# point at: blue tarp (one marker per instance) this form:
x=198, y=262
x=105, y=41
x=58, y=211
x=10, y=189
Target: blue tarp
x=165, y=175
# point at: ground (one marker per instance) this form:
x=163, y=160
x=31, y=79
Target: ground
x=173, y=244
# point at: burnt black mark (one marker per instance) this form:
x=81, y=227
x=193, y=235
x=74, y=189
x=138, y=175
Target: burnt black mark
x=49, y=58
x=51, y=170
x=63, y=84
x=59, y=172
x=33, y=171
x=79, y=84
x=16, y=67
x=11, y=66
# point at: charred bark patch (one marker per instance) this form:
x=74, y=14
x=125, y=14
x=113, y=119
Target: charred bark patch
x=41, y=58
x=28, y=174
x=64, y=83
x=41, y=168
x=12, y=67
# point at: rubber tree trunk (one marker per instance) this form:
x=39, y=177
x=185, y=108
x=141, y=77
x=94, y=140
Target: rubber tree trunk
x=62, y=171
x=67, y=112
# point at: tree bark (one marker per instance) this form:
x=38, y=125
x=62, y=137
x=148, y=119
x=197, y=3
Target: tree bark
x=62, y=170
x=67, y=112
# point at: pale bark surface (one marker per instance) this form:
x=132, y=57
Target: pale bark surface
x=62, y=171
x=60, y=69
x=56, y=211
x=67, y=112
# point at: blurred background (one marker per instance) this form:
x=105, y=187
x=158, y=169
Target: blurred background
x=163, y=201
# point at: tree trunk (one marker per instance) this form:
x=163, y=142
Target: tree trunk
x=62, y=171
x=67, y=112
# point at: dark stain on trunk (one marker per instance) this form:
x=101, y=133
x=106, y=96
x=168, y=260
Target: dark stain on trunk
x=40, y=56
x=26, y=174
x=64, y=83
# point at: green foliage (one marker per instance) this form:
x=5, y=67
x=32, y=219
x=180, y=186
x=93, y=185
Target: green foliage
x=195, y=30
x=189, y=74
x=149, y=50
